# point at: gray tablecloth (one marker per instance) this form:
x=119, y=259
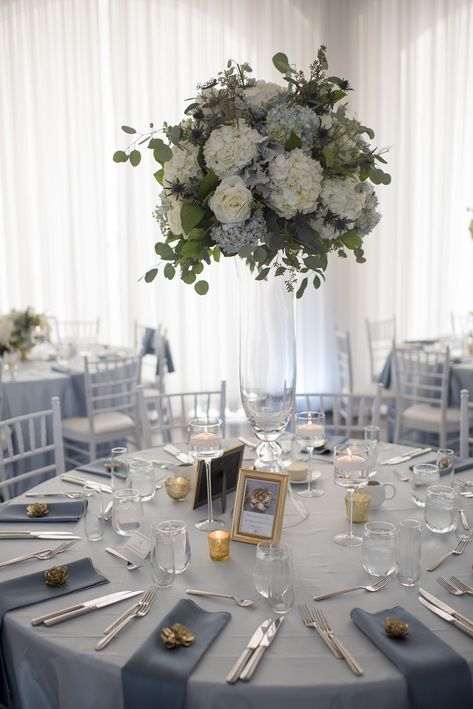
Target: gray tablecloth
x=57, y=668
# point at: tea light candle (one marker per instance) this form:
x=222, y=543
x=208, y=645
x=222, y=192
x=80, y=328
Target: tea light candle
x=310, y=430
x=177, y=488
x=205, y=440
x=351, y=462
x=219, y=545
x=297, y=471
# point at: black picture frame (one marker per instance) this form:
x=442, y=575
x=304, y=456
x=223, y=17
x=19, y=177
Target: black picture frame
x=224, y=472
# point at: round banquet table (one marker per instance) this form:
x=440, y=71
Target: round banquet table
x=57, y=667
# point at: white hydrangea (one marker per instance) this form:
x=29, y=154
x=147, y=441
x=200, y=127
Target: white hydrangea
x=262, y=93
x=345, y=198
x=183, y=164
x=324, y=229
x=6, y=329
x=229, y=148
x=295, y=183
x=173, y=215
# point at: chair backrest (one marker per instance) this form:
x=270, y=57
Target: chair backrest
x=345, y=413
x=466, y=415
x=110, y=385
x=1, y=388
x=153, y=341
x=345, y=371
x=166, y=417
x=462, y=324
x=421, y=377
x=32, y=441
x=381, y=339
x=77, y=331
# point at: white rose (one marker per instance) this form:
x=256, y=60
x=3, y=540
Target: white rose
x=174, y=219
x=231, y=201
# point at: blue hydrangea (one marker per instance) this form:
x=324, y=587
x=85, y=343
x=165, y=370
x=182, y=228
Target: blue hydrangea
x=231, y=237
x=283, y=120
x=369, y=217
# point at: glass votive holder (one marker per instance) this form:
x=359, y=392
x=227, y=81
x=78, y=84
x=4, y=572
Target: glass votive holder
x=178, y=487
x=219, y=545
x=361, y=506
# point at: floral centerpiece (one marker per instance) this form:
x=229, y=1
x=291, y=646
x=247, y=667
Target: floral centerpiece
x=17, y=330
x=280, y=175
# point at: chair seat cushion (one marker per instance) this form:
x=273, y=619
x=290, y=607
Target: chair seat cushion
x=370, y=390
x=109, y=422
x=426, y=417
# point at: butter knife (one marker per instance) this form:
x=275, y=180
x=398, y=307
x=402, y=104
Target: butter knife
x=253, y=643
x=448, y=617
x=38, y=535
x=407, y=456
x=444, y=607
x=266, y=641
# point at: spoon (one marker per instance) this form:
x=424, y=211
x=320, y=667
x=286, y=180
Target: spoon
x=130, y=565
x=242, y=602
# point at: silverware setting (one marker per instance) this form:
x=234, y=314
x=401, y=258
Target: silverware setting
x=43, y=554
x=406, y=456
x=130, y=565
x=70, y=495
x=322, y=623
x=250, y=667
x=446, y=612
x=459, y=549
x=27, y=534
x=82, y=608
x=176, y=453
x=451, y=587
x=77, y=480
x=309, y=620
x=242, y=602
x=141, y=609
x=257, y=645
x=372, y=588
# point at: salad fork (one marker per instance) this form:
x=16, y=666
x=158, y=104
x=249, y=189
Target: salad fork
x=372, y=588
x=346, y=655
x=450, y=587
x=462, y=585
x=308, y=619
x=43, y=554
x=141, y=609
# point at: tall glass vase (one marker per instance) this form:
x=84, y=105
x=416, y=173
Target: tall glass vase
x=268, y=370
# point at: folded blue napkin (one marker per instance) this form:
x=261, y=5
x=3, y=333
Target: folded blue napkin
x=156, y=676
x=31, y=588
x=69, y=511
x=459, y=465
x=437, y=677
x=97, y=467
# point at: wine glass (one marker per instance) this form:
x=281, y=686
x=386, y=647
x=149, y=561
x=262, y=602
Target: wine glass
x=206, y=443
x=310, y=432
x=351, y=472
x=371, y=437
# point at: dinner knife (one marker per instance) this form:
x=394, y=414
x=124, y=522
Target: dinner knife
x=172, y=450
x=253, y=643
x=82, y=608
x=77, y=480
x=448, y=617
x=64, y=493
x=266, y=641
x=38, y=535
x=407, y=456
x=446, y=608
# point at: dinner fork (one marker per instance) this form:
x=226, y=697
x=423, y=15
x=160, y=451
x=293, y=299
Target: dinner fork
x=242, y=602
x=459, y=549
x=462, y=585
x=127, y=612
x=309, y=621
x=322, y=623
x=372, y=588
x=142, y=608
x=450, y=587
x=43, y=554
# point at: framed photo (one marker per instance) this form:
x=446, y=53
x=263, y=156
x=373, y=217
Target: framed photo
x=224, y=473
x=259, y=506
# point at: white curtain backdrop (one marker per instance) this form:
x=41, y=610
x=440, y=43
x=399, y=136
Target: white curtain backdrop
x=76, y=230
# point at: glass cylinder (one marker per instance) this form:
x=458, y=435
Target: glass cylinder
x=440, y=511
x=141, y=476
x=92, y=515
x=351, y=472
x=127, y=511
x=371, y=438
x=170, y=550
x=206, y=443
x=445, y=463
x=423, y=476
x=310, y=432
x=409, y=552
x=273, y=575
x=378, y=548
x=118, y=468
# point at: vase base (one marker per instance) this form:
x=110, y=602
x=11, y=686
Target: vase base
x=346, y=540
x=310, y=493
x=295, y=511
x=209, y=525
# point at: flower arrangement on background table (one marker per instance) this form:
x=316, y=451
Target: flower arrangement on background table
x=280, y=175
x=18, y=331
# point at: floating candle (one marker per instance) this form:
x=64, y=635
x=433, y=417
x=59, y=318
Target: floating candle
x=351, y=462
x=310, y=430
x=206, y=439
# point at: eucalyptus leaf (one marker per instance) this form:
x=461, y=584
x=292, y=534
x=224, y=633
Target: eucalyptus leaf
x=159, y=176
x=162, y=152
x=164, y=251
x=188, y=277
x=302, y=287
x=281, y=62
x=292, y=142
x=151, y=275
x=207, y=185
x=352, y=240
x=120, y=156
x=201, y=287
x=174, y=134
x=262, y=274
x=169, y=271
x=128, y=129
x=191, y=216
x=216, y=251
x=135, y=158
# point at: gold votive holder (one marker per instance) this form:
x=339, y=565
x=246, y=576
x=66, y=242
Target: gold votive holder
x=219, y=545
x=361, y=506
x=177, y=488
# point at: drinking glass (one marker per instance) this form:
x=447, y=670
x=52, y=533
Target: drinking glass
x=118, y=469
x=310, y=432
x=10, y=360
x=127, y=511
x=464, y=526
x=206, y=443
x=440, y=511
x=141, y=477
x=378, y=548
x=423, y=476
x=170, y=550
x=371, y=438
x=445, y=464
x=273, y=575
x=350, y=472
x=92, y=514
x=408, y=552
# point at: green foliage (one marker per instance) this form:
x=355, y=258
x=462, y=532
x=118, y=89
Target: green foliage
x=201, y=287
x=191, y=216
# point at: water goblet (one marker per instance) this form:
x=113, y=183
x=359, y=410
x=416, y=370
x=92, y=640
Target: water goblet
x=350, y=472
x=310, y=431
x=206, y=443
x=10, y=360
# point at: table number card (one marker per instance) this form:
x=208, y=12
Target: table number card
x=139, y=544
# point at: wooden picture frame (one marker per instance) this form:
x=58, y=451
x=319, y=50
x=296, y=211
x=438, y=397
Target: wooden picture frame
x=259, y=506
x=224, y=473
